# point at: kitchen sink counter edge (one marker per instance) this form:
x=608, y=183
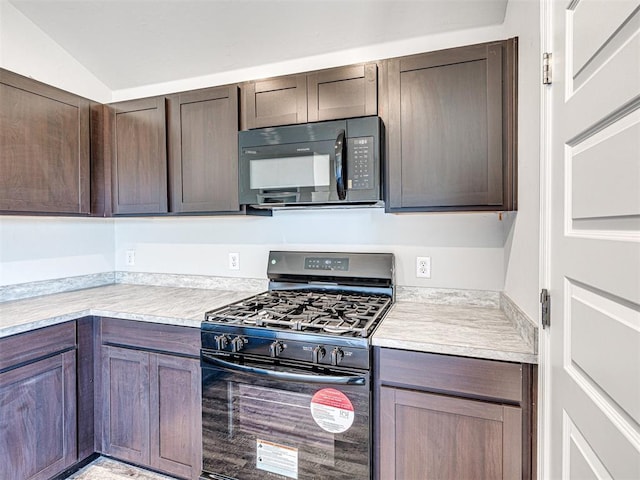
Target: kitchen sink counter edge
x=472, y=331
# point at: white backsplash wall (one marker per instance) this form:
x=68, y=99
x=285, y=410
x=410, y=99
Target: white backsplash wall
x=46, y=248
x=466, y=250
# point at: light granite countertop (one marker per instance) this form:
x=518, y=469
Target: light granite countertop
x=467, y=331
x=472, y=331
x=172, y=305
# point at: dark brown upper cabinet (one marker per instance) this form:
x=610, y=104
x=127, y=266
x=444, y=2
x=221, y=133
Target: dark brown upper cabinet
x=203, y=150
x=343, y=92
x=139, y=156
x=330, y=94
x=44, y=148
x=275, y=101
x=450, y=119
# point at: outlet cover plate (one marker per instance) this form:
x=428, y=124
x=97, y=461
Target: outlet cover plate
x=234, y=261
x=130, y=258
x=423, y=267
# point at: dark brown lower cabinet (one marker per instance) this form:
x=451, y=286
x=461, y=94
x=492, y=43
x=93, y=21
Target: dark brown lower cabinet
x=38, y=418
x=443, y=417
x=175, y=420
x=436, y=436
x=151, y=402
x=125, y=404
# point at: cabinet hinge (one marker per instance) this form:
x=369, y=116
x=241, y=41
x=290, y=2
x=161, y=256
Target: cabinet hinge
x=546, y=68
x=545, y=300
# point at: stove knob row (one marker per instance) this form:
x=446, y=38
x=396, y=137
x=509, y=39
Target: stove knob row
x=276, y=348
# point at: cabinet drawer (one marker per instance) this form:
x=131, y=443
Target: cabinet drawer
x=151, y=336
x=448, y=374
x=28, y=346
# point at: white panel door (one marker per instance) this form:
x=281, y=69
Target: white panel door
x=595, y=240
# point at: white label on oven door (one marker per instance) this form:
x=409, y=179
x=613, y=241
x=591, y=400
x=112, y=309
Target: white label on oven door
x=332, y=410
x=276, y=458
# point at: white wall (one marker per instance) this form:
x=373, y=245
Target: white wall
x=466, y=249
x=522, y=246
x=45, y=248
x=27, y=50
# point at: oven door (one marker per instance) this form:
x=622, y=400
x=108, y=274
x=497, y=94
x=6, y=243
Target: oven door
x=266, y=421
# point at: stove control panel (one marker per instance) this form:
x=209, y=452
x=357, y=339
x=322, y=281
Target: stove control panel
x=323, y=352
x=322, y=263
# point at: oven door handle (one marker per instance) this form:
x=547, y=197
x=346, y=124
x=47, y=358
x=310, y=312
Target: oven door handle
x=286, y=376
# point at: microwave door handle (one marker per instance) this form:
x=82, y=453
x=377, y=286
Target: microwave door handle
x=341, y=165
x=286, y=376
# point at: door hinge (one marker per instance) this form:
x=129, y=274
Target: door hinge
x=546, y=68
x=545, y=300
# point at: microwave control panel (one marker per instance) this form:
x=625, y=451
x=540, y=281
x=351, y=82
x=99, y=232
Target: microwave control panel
x=360, y=171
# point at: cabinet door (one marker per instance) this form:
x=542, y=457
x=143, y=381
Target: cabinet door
x=203, y=150
x=449, y=129
x=275, y=101
x=139, y=156
x=427, y=436
x=125, y=404
x=44, y=148
x=343, y=92
x=176, y=426
x=38, y=418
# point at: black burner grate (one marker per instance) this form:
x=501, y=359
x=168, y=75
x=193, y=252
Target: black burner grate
x=305, y=310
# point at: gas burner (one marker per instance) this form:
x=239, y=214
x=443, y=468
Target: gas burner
x=307, y=311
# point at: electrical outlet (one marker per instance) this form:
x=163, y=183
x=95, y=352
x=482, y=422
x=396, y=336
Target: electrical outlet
x=130, y=258
x=423, y=267
x=234, y=261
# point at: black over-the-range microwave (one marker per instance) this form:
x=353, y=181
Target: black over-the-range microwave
x=335, y=163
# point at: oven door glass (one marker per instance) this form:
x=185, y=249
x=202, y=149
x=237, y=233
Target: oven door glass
x=260, y=426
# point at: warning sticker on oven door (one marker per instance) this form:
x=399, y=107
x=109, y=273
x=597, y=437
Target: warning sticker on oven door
x=332, y=410
x=275, y=458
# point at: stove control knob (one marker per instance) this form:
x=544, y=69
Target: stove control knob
x=276, y=348
x=336, y=356
x=238, y=344
x=318, y=353
x=221, y=341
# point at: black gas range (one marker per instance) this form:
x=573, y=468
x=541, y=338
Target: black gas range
x=286, y=373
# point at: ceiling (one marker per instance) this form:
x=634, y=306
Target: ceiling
x=132, y=43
